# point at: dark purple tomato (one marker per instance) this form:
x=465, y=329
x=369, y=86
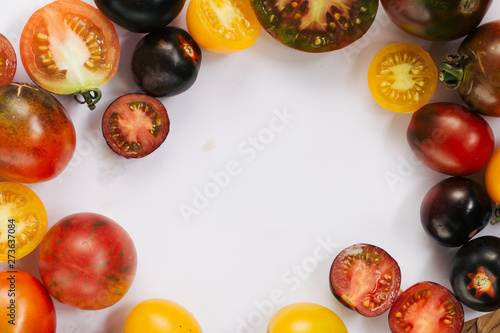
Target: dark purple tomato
x=166, y=62
x=141, y=15
x=316, y=26
x=450, y=138
x=454, y=210
x=436, y=20
x=475, y=273
x=474, y=70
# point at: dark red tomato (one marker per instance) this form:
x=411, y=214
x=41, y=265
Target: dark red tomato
x=475, y=274
x=450, y=138
x=426, y=307
x=135, y=125
x=37, y=137
x=141, y=15
x=316, y=26
x=455, y=210
x=87, y=261
x=365, y=278
x=25, y=304
x=436, y=20
x=166, y=62
x=8, y=61
x=474, y=70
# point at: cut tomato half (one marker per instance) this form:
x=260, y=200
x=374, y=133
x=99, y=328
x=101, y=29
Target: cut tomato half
x=8, y=61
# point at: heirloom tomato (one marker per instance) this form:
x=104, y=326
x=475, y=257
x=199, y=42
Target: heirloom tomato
x=426, y=307
x=450, y=138
x=26, y=305
x=161, y=316
x=492, y=177
x=402, y=77
x=475, y=274
x=474, y=70
x=316, y=26
x=306, y=318
x=222, y=26
x=365, y=278
x=141, y=15
x=87, y=261
x=436, y=20
x=37, y=137
x=8, y=61
x=70, y=47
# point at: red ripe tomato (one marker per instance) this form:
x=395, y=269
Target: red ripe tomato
x=25, y=304
x=450, y=138
x=87, y=261
x=8, y=61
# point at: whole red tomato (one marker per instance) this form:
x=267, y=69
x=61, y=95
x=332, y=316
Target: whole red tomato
x=87, y=261
x=25, y=304
x=37, y=137
x=450, y=138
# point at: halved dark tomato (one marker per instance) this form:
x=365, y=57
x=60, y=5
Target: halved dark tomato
x=8, y=61
x=426, y=307
x=70, y=47
x=365, y=278
x=135, y=125
x=316, y=26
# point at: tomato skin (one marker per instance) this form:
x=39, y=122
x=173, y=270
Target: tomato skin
x=8, y=61
x=451, y=139
x=34, y=309
x=87, y=261
x=37, y=136
x=436, y=20
x=492, y=177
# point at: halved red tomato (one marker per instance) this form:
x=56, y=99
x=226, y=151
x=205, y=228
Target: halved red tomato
x=70, y=47
x=8, y=61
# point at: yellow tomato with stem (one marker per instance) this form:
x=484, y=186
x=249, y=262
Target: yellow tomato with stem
x=222, y=26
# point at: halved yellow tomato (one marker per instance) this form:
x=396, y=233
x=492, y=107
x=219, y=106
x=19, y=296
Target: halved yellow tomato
x=402, y=77
x=23, y=221
x=222, y=26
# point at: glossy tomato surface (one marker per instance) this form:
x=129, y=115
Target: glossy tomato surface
x=450, y=138
x=161, y=316
x=306, y=318
x=8, y=61
x=316, y=26
x=365, y=278
x=166, y=62
x=474, y=70
x=26, y=305
x=37, y=137
x=475, y=274
x=436, y=20
x=426, y=307
x=70, y=47
x=492, y=177
x=87, y=261
x=141, y=16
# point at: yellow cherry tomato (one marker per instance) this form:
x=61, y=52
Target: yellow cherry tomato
x=158, y=315
x=492, y=177
x=222, y=26
x=306, y=318
x=402, y=77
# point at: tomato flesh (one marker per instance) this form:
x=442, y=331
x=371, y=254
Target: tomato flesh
x=8, y=61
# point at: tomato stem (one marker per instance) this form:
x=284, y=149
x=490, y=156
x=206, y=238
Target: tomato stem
x=90, y=97
x=452, y=71
x=497, y=215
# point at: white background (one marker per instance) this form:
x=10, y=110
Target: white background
x=314, y=187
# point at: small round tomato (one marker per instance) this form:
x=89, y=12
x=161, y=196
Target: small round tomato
x=24, y=221
x=365, y=278
x=492, y=177
x=222, y=26
x=37, y=136
x=306, y=318
x=402, y=77
x=316, y=26
x=87, y=261
x=166, y=62
x=26, y=305
x=70, y=47
x=450, y=138
x=475, y=274
x=8, y=61
x=135, y=125
x=426, y=307
x=161, y=316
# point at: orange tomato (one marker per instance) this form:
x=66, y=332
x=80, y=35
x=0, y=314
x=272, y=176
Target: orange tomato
x=492, y=177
